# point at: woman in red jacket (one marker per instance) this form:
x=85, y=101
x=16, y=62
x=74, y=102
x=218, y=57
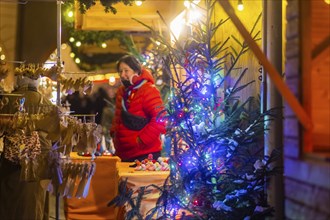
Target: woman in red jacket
x=136, y=127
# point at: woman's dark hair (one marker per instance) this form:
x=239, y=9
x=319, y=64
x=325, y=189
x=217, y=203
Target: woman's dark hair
x=131, y=61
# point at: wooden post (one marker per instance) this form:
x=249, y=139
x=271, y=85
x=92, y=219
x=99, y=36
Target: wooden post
x=272, y=43
x=58, y=98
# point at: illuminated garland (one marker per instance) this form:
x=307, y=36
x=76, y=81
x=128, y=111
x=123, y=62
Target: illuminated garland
x=84, y=5
x=90, y=62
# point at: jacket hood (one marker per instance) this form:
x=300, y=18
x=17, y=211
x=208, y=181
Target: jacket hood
x=145, y=74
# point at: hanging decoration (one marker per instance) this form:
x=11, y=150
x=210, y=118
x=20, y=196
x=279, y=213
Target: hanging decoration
x=78, y=38
x=69, y=85
x=84, y=5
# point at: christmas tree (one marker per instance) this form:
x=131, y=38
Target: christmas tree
x=218, y=169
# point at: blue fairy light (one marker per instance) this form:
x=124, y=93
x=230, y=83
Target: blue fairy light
x=21, y=105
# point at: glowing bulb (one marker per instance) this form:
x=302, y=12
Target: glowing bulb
x=77, y=60
x=186, y=4
x=78, y=44
x=327, y=1
x=138, y=3
x=112, y=80
x=104, y=45
x=72, y=55
x=71, y=39
x=240, y=5
x=2, y=57
x=70, y=14
x=64, y=46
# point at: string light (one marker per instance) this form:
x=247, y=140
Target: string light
x=112, y=80
x=186, y=4
x=138, y=3
x=70, y=14
x=2, y=56
x=240, y=5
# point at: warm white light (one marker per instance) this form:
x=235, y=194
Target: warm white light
x=71, y=39
x=186, y=4
x=240, y=5
x=189, y=3
x=104, y=45
x=70, y=14
x=49, y=64
x=193, y=16
x=138, y=3
x=64, y=46
x=78, y=44
x=112, y=80
x=77, y=60
x=327, y=1
x=177, y=25
x=2, y=57
x=157, y=42
x=72, y=55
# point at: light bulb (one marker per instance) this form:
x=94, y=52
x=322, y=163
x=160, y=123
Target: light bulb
x=112, y=80
x=240, y=5
x=186, y=4
x=70, y=14
x=138, y=3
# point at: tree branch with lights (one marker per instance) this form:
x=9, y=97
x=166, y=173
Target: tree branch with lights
x=218, y=169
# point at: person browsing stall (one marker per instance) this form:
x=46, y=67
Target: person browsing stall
x=136, y=127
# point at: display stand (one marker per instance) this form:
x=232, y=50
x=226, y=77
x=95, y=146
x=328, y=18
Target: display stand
x=58, y=97
x=57, y=190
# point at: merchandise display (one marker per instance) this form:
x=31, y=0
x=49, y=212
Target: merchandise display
x=149, y=164
x=38, y=138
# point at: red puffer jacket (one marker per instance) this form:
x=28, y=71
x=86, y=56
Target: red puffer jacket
x=143, y=101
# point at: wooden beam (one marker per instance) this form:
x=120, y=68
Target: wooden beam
x=305, y=60
x=321, y=51
x=272, y=72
